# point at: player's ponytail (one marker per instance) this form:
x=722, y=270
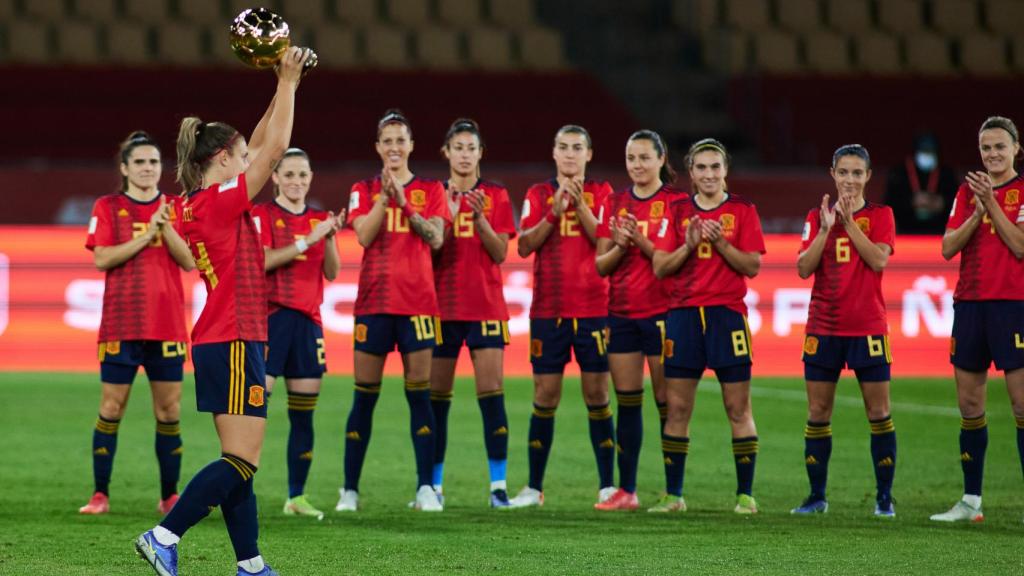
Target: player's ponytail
x=133, y=141
x=667, y=174
x=198, y=143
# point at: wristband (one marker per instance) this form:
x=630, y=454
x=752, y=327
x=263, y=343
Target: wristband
x=551, y=218
x=408, y=211
x=301, y=245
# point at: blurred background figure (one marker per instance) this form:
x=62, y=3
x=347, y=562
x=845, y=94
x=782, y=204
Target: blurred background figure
x=921, y=190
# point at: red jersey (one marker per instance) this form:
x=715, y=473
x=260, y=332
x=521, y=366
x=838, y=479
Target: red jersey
x=565, y=279
x=706, y=279
x=634, y=290
x=218, y=225
x=847, y=296
x=143, y=298
x=299, y=284
x=988, y=269
x=467, y=279
x=397, y=274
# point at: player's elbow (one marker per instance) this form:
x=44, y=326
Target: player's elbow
x=753, y=268
x=523, y=249
x=803, y=272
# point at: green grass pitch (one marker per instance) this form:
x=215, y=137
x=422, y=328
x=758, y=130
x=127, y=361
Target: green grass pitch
x=45, y=469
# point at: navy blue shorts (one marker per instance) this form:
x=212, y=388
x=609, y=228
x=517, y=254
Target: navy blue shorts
x=295, y=345
x=644, y=335
x=987, y=331
x=868, y=356
x=552, y=339
x=120, y=360
x=475, y=333
x=702, y=337
x=379, y=334
x=231, y=377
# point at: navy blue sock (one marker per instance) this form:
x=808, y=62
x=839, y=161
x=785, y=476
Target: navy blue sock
x=817, y=451
x=440, y=404
x=240, y=517
x=541, y=436
x=168, y=455
x=883, y=454
x=602, y=438
x=630, y=436
x=421, y=427
x=973, y=444
x=104, y=446
x=210, y=487
x=674, y=449
x=492, y=409
x=744, y=451
x=357, y=431
x=300, y=441
x=1020, y=442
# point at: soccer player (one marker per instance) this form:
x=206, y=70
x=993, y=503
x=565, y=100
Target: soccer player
x=297, y=263
x=637, y=300
x=398, y=218
x=569, y=309
x=846, y=246
x=467, y=277
x=222, y=175
x=133, y=239
x=986, y=227
x=708, y=245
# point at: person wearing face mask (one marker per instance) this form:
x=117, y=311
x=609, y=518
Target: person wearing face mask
x=920, y=191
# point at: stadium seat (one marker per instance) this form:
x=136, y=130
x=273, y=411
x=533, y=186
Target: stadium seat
x=438, y=48
x=984, y=55
x=901, y=16
x=748, y=16
x=956, y=17
x=128, y=43
x=1005, y=16
x=77, y=42
x=96, y=10
x=235, y=7
x=516, y=14
x=541, y=49
x=203, y=12
x=851, y=16
x=7, y=10
x=147, y=11
x=45, y=10
x=878, y=53
x=726, y=51
x=305, y=12
x=28, y=42
x=181, y=43
x=827, y=52
x=459, y=12
x=386, y=47
x=697, y=16
x=800, y=15
x=489, y=48
x=1017, y=54
x=411, y=13
x=335, y=46
x=360, y=12
x=776, y=52
x=928, y=53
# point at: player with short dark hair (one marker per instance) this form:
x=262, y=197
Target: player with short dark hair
x=637, y=300
x=134, y=240
x=708, y=245
x=846, y=246
x=222, y=174
x=399, y=218
x=297, y=262
x=570, y=307
x=986, y=227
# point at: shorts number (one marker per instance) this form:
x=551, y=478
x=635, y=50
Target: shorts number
x=490, y=327
x=140, y=228
x=321, y=357
x=599, y=338
x=842, y=249
x=424, y=326
x=205, y=266
x=1017, y=342
x=464, y=225
x=173, y=349
x=740, y=345
x=704, y=250
x=876, y=346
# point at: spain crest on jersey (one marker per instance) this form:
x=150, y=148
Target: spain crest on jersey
x=418, y=197
x=728, y=221
x=1012, y=197
x=657, y=209
x=488, y=204
x=588, y=199
x=864, y=223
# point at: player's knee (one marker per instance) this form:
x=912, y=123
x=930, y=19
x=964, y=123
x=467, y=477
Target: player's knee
x=169, y=411
x=738, y=413
x=595, y=397
x=112, y=408
x=819, y=411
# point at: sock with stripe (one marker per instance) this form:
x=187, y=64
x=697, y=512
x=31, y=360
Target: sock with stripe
x=630, y=436
x=883, y=454
x=674, y=449
x=492, y=410
x=973, y=444
x=440, y=404
x=357, y=431
x=421, y=426
x=744, y=450
x=168, y=455
x=300, y=440
x=1020, y=442
x=104, y=446
x=240, y=517
x=210, y=487
x=540, y=437
x=662, y=414
x=817, y=452
x=602, y=437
